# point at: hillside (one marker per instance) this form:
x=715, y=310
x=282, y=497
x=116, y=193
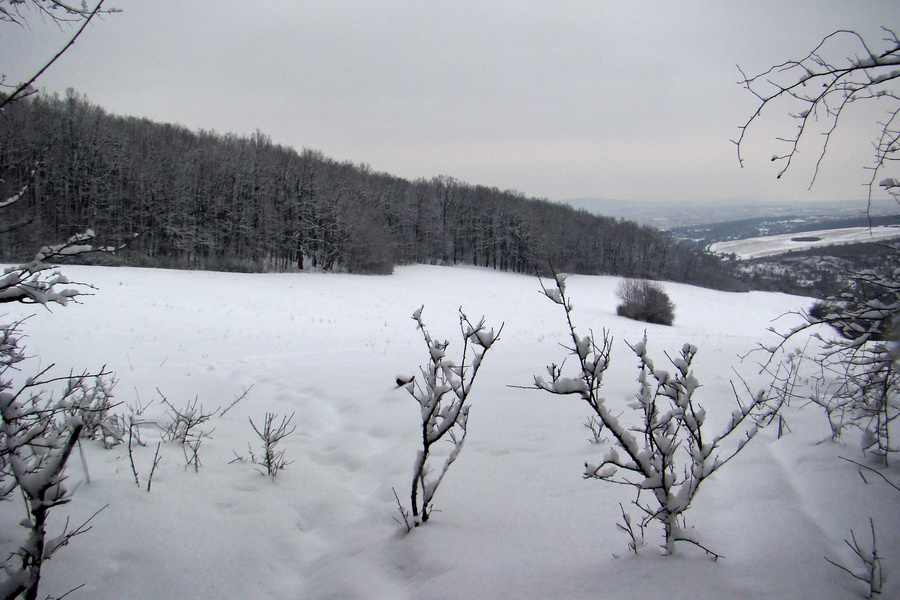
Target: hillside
x=205, y=200
x=515, y=517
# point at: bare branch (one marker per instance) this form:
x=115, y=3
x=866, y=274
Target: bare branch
x=22, y=89
x=819, y=88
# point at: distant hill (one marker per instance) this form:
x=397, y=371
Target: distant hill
x=205, y=200
x=674, y=215
x=714, y=233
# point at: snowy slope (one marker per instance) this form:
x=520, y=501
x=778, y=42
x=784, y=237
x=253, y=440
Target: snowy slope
x=772, y=245
x=516, y=519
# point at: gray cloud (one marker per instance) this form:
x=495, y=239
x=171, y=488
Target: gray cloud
x=630, y=100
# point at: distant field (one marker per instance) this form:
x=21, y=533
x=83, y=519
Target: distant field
x=772, y=245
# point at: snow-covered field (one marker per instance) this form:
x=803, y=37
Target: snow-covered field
x=514, y=517
x=771, y=245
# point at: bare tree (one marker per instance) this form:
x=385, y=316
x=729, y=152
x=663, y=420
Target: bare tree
x=857, y=383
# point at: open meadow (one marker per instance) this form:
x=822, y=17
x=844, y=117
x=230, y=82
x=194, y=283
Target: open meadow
x=514, y=518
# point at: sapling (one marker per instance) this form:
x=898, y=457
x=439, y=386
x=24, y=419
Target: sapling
x=191, y=450
x=668, y=455
x=185, y=427
x=442, y=393
x=185, y=423
x=271, y=434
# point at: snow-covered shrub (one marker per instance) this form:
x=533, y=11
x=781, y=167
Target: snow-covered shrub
x=442, y=393
x=644, y=300
x=37, y=435
x=856, y=378
x=91, y=401
x=668, y=453
x=819, y=309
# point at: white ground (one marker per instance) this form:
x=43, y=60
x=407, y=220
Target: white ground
x=516, y=518
x=771, y=245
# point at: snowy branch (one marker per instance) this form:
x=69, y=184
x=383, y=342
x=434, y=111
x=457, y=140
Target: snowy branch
x=822, y=88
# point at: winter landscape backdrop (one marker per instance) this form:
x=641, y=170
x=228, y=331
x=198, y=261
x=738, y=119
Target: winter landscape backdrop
x=514, y=517
x=169, y=491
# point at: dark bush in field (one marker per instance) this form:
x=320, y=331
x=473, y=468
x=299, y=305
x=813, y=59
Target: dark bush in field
x=644, y=300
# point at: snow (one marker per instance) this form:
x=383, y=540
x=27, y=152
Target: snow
x=514, y=517
x=771, y=245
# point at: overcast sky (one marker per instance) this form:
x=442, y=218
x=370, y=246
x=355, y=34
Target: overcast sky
x=565, y=99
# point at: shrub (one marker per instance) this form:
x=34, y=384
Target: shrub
x=271, y=433
x=442, y=393
x=667, y=451
x=855, y=376
x=819, y=310
x=644, y=300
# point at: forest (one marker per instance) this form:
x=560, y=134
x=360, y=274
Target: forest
x=171, y=197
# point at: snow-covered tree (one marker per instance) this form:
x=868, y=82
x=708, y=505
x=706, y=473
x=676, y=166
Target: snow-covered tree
x=855, y=375
x=38, y=432
x=668, y=454
x=442, y=392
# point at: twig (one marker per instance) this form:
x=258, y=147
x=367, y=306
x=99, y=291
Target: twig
x=872, y=576
x=156, y=459
x=870, y=469
x=24, y=86
x=404, y=513
x=236, y=400
x=137, y=481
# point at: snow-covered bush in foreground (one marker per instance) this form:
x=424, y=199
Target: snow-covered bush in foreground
x=668, y=454
x=37, y=435
x=856, y=379
x=442, y=393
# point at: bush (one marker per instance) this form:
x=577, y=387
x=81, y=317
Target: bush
x=644, y=300
x=667, y=452
x=442, y=393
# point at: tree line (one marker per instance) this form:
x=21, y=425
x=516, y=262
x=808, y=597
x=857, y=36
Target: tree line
x=200, y=199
